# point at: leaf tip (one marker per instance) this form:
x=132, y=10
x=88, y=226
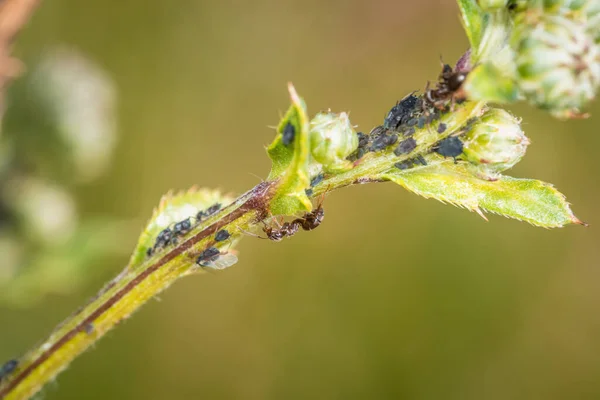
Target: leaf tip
x=293, y=94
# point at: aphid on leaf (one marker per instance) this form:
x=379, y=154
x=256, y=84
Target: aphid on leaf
x=222, y=235
x=442, y=128
x=402, y=112
x=213, y=258
x=450, y=147
x=316, y=180
x=405, y=146
x=208, y=212
x=8, y=368
x=89, y=328
x=419, y=160
x=181, y=228
x=208, y=255
x=288, y=134
x=404, y=165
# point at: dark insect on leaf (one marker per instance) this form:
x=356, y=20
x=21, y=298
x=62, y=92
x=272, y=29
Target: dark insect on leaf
x=222, y=235
x=405, y=146
x=288, y=134
x=450, y=147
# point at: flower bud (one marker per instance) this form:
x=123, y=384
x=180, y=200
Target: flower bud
x=495, y=142
x=332, y=139
x=558, y=63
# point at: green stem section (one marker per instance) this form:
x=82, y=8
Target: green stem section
x=124, y=295
x=134, y=286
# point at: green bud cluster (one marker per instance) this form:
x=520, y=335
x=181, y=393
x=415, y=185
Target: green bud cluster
x=332, y=140
x=557, y=56
x=494, y=143
x=558, y=64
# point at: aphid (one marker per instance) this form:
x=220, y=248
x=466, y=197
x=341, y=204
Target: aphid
x=409, y=132
x=442, y=127
x=316, y=180
x=309, y=192
x=220, y=261
x=420, y=160
x=89, y=328
x=208, y=212
x=212, y=209
x=405, y=146
x=288, y=134
x=404, y=165
x=181, y=228
x=447, y=88
x=421, y=122
x=383, y=141
x=401, y=112
x=450, y=147
x=222, y=235
x=363, y=140
x=8, y=368
x=209, y=255
x=163, y=239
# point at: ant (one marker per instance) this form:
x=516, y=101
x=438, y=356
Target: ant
x=450, y=82
x=307, y=222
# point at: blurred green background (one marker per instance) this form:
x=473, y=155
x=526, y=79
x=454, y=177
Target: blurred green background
x=393, y=296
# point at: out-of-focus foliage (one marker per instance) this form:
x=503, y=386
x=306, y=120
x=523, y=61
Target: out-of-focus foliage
x=58, y=131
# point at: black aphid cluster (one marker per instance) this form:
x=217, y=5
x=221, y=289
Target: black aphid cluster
x=171, y=235
x=399, y=125
x=416, y=112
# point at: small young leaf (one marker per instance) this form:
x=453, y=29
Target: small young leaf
x=290, y=153
x=527, y=200
x=473, y=20
x=172, y=209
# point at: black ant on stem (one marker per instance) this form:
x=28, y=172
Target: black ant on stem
x=307, y=222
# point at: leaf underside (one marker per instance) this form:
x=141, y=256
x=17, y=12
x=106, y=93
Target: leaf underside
x=528, y=200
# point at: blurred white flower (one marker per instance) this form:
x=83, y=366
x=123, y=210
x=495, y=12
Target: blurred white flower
x=82, y=98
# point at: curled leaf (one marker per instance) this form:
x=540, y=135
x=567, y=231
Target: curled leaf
x=526, y=200
x=290, y=153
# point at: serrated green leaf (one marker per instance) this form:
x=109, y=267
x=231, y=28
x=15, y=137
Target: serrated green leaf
x=473, y=20
x=171, y=209
x=527, y=200
x=291, y=162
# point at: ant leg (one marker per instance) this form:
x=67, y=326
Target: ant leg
x=250, y=233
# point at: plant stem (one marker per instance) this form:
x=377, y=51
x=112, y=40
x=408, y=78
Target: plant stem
x=134, y=286
x=124, y=295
